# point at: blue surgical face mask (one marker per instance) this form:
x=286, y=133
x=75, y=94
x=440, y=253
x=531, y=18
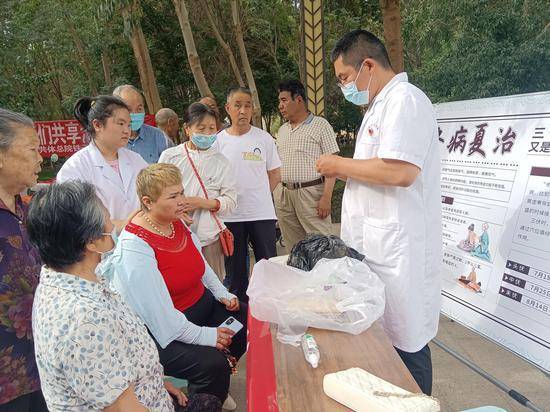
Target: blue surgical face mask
x=136, y=121
x=355, y=96
x=203, y=141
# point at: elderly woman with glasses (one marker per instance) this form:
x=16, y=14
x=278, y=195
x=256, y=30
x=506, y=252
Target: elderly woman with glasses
x=19, y=266
x=158, y=267
x=92, y=351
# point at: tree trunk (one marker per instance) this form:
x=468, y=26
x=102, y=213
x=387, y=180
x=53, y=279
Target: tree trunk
x=392, y=33
x=106, y=63
x=192, y=54
x=82, y=54
x=267, y=121
x=145, y=67
x=224, y=46
x=257, y=117
x=53, y=75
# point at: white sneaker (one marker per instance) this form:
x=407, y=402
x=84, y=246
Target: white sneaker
x=229, y=404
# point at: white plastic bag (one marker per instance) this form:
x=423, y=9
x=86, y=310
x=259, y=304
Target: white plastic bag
x=338, y=294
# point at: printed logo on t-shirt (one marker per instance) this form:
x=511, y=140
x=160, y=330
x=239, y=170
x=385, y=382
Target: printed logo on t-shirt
x=255, y=155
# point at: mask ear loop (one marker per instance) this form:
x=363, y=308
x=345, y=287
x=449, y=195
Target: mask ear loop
x=359, y=72
x=368, y=85
x=114, y=237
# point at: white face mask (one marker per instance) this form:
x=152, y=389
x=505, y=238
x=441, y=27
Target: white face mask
x=104, y=270
x=114, y=236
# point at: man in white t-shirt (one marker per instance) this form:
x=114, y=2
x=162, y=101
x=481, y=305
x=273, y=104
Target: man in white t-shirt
x=253, y=154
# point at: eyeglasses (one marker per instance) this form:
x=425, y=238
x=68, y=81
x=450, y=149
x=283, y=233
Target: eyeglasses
x=358, y=68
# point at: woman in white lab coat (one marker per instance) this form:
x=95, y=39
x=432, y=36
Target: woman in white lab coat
x=105, y=162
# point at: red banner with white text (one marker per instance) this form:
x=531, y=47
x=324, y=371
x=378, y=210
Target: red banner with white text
x=66, y=137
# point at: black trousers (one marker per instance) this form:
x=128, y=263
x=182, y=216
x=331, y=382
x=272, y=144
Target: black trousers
x=420, y=365
x=205, y=367
x=261, y=234
x=31, y=402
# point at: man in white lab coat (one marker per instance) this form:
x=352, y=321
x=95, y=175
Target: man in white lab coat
x=391, y=209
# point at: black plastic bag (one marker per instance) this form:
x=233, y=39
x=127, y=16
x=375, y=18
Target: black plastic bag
x=306, y=253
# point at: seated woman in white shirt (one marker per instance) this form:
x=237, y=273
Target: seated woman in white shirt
x=93, y=352
x=105, y=162
x=216, y=174
x=158, y=268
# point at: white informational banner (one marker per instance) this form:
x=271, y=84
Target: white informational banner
x=495, y=184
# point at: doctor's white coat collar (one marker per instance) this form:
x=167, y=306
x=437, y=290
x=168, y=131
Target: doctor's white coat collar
x=398, y=78
x=124, y=162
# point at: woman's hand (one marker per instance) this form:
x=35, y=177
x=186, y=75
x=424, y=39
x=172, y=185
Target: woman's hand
x=190, y=204
x=224, y=338
x=176, y=393
x=231, y=305
x=186, y=219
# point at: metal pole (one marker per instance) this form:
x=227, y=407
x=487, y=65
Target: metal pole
x=513, y=393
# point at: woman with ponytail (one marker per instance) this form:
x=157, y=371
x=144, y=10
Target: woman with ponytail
x=105, y=162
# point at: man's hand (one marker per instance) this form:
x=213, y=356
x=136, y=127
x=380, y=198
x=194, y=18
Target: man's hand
x=323, y=207
x=231, y=305
x=176, y=393
x=224, y=338
x=329, y=165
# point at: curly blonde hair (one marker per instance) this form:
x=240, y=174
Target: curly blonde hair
x=152, y=180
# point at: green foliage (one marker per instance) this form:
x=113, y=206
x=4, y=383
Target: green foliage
x=42, y=73
x=467, y=49
x=454, y=50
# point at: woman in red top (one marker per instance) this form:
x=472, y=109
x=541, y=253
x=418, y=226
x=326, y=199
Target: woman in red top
x=158, y=268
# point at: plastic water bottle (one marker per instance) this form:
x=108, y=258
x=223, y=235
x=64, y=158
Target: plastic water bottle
x=311, y=350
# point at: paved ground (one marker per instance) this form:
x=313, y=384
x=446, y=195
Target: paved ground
x=458, y=387
x=455, y=385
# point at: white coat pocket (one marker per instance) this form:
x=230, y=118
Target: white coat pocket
x=383, y=247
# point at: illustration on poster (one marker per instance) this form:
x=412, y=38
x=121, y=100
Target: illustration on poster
x=481, y=250
x=469, y=243
x=478, y=246
x=470, y=281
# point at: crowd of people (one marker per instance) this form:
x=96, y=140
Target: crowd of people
x=138, y=253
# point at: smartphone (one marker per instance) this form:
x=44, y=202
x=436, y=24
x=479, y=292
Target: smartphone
x=232, y=324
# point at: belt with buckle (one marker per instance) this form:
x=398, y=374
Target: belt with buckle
x=298, y=185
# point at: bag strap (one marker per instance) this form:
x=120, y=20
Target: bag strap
x=201, y=183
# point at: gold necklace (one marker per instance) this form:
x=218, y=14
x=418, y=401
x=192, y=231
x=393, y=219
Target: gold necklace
x=171, y=236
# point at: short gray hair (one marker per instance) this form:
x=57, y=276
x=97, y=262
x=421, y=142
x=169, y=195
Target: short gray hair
x=239, y=89
x=9, y=122
x=163, y=115
x=62, y=219
x=120, y=89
